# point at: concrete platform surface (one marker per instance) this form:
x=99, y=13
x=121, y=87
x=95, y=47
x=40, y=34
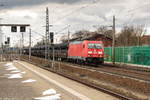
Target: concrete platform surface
x=23, y=81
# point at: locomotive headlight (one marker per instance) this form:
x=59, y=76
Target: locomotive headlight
x=100, y=52
x=89, y=52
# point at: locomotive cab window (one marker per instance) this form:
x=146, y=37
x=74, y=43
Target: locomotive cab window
x=94, y=46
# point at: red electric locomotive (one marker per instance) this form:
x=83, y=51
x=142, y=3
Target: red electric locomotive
x=87, y=51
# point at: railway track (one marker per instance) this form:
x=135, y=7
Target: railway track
x=122, y=97
x=139, y=74
x=128, y=67
x=136, y=74
x=117, y=95
x=118, y=71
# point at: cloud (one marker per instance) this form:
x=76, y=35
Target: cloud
x=22, y=13
x=18, y=3
x=80, y=14
x=27, y=17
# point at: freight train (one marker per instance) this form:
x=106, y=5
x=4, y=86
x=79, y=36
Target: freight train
x=78, y=51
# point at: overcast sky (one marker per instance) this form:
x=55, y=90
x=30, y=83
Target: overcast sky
x=79, y=14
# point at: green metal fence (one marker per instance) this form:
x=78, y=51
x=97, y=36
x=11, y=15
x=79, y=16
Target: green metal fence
x=133, y=55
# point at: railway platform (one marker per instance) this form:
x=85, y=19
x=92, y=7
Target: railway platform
x=23, y=81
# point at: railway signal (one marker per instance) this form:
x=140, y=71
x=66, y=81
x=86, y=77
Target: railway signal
x=6, y=43
x=22, y=28
x=52, y=37
x=13, y=28
x=8, y=40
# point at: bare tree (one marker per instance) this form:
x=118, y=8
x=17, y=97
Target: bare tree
x=130, y=36
x=139, y=31
x=101, y=30
x=80, y=34
x=105, y=31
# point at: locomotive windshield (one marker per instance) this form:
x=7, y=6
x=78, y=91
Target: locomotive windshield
x=94, y=46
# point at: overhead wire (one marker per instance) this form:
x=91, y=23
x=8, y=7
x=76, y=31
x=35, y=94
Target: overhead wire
x=76, y=10
x=131, y=19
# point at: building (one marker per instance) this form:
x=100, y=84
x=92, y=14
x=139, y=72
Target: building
x=146, y=40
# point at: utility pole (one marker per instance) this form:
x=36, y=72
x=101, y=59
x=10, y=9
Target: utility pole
x=113, y=43
x=1, y=35
x=1, y=41
x=22, y=41
x=53, y=55
x=68, y=34
x=21, y=44
x=52, y=45
x=47, y=34
x=29, y=44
